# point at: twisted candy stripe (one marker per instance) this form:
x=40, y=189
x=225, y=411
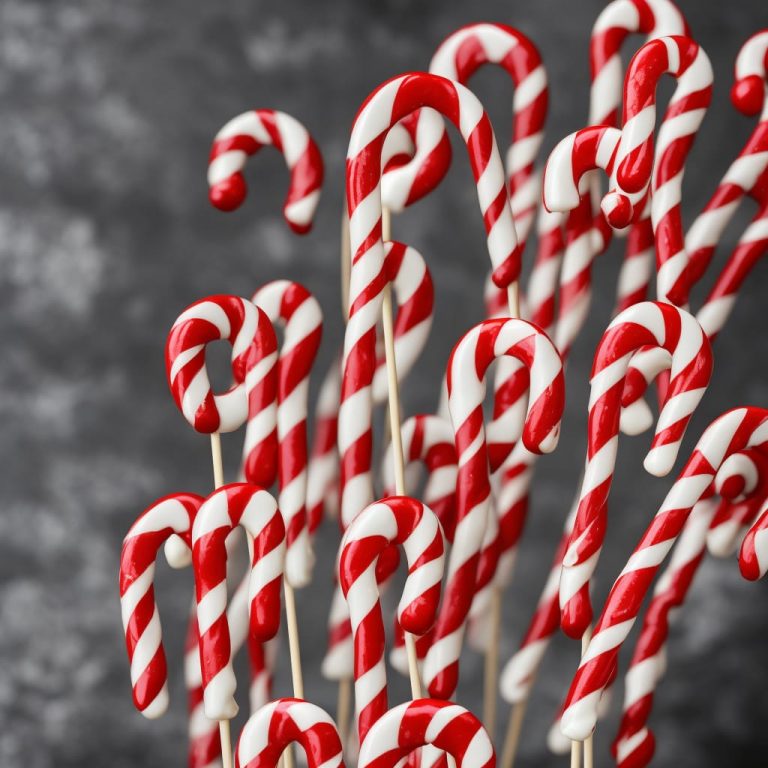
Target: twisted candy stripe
x=745, y=176
x=467, y=367
x=682, y=58
x=643, y=325
x=297, y=310
x=468, y=49
x=245, y=135
x=169, y=516
x=427, y=722
x=255, y=510
x=323, y=470
x=275, y=726
x=742, y=475
x=735, y=431
x=204, y=750
x=395, y=520
x=216, y=317
x=384, y=108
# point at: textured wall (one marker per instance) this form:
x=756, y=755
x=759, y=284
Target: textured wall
x=106, y=234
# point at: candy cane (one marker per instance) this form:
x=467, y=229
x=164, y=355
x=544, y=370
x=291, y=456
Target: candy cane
x=753, y=555
x=645, y=324
x=735, y=431
x=682, y=58
x=384, y=108
x=394, y=520
x=245, y=135
x=737, y=476
x=467, y=367
x=255, y=510
x=171, y=515
x=254, y=357
x=296, y=309
x=427, y=722
x=270, y=731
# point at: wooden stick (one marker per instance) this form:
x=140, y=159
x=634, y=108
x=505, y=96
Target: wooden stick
x=588, y=744
x=492, y=664
x=514, y=729
x=343, y=707
x=387, y=321
x=218, y=480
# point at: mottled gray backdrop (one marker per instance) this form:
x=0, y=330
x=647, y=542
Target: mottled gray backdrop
x=106, y=234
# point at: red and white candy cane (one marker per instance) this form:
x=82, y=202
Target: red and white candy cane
x=291, y=305
x=245, y=135
x=422, y=723
x=169, y=516
x=254, y=358
x=736, y=430
x=648, y=324
x=278, y=724
x=743, y=177
x=394, y=520
x=467, y=368
x=204, y=748
x=256, y=511
x=323, y=473
x=737, y=477
x=384, y=108
x=468, y=49
x=640, y=167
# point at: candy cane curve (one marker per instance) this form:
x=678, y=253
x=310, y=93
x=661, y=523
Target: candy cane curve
x=643, y=325
x=384, y=107
x=427, y=722
x=171, y=515
x=271, y=729
x=738, y=476
x=394, y=520
x=245, y=135
x=255, y=510
x=636, y=169
x=467, y=367
x=291, y=305
x=734, y=431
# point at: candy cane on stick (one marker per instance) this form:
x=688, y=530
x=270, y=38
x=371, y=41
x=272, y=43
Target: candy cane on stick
x=272, y=729
x=393, y=520
x=427, y=722
x=648, y=324
x=736, y=430
x=738, y=476
x=246, y=505
x=172, y=515
x=467, y=367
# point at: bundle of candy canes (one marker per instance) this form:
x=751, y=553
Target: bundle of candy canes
x=461, y=537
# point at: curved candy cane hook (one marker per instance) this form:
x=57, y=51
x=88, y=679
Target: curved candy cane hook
x=171, y=516
x=467, y=368
x=297, y=310
x=384, y=108
x=256, y=511
x=736, y=430
x=741, y=476
x=245, y=135
x=643, y=325
x=394, y=520
x=275, y=726
x=427, y=722
x=254, y=358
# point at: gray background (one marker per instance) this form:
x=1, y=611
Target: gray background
x=106, y=234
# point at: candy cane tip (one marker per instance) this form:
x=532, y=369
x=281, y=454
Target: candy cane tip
x=575, y=617
x=748, y=95
x=660, y=460
x=228, y=194
x=580, y=718
x=177, y=553
x=617, y=209
x=557, y=742
x=636, y=418
x=158, y=706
